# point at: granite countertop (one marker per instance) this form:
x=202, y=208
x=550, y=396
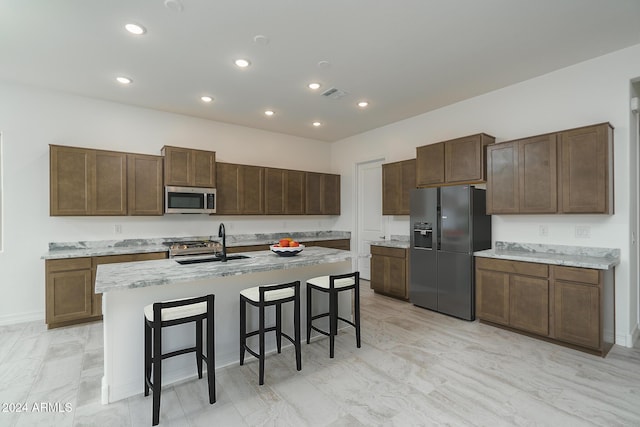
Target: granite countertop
x=60, y=250
x=572, y=256
x=401, y=242
x=122, y=276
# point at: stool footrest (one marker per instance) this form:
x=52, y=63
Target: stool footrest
x=254, y=354
x=178, y=352
x=319, y=330
x=270, y=329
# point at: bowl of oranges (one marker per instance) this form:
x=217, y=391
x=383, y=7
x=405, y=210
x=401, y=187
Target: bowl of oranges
x=287, y=247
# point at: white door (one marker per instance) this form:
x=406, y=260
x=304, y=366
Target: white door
x=371, y=225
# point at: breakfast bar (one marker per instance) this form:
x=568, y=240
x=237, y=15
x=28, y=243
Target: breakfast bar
x=127, y=288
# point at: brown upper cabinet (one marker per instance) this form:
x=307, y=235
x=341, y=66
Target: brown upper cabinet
x=458, y=161
x=257, y=190
x=189, y=167
x=398, y=178
x=144, y=181
x=284, y=192
x=322, y=194
x=84, y=182
x=522, y=176
x=87, y=182
x=586, y=162
x=240, y=189
x=564, y=172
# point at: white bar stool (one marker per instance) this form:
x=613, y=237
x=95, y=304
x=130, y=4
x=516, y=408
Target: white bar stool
x=170, y=313
x=265, y=296
x=333, y=285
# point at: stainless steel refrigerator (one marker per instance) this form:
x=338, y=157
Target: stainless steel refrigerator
x=447, y=225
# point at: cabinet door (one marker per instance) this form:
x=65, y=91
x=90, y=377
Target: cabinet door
x=144, y=182
x=69, y=294
x=294, y=199
x=502, y=178
x=109, y=184
x=177, y=166
x=69, y=181
x=538, y=174
x=408, y=184
x=397, y=277
x=204, y=168
x=378, y=273
x=228, y=178
x=577, y=313
x=492, y=296
x=252, y=190
x=529, y=304
x=464, y=160
x=274, y=185
x=430, y=165
x=586, y=170
x=313, y=205
x=330, y=194
x=391, y=185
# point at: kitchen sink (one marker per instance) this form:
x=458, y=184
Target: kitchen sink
x=209, y=259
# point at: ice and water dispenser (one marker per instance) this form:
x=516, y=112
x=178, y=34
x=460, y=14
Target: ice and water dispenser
x=423, y=235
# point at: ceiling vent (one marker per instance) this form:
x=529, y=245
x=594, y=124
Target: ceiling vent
x=334, y=93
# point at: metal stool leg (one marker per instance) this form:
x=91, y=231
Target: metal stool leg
x=261, y=334
x=243, y=329
x=309, y=313
x=279, y=327
x=199, y=347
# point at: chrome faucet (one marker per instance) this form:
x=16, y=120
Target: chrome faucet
x=222, y=233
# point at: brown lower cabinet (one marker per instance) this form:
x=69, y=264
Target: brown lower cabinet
x=390, y=271
x=567, y=305
x=70, y=287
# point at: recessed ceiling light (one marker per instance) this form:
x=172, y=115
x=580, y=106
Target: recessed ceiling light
x=269, y=113
x=206, y=98
x=124, y=80
x=314, y=86
x=242, y=63
x=316, y=124
x=173, y=5
x=363, y=104
x=135, y=29
x=261, y=40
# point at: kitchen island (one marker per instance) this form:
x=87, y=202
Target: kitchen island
x=127, y=288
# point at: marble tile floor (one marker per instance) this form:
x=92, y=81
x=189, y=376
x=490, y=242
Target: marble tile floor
x=415, y=368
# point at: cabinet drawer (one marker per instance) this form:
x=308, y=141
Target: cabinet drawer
x=111, y=259
x=386, y=251
x=251, y=248
x=517, y=267
x=344, y=244
x=68, y=264
x=576, y=274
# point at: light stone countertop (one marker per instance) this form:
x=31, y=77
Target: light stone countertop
x=61, y=250
x=396, y=241
x=571, y=256
x=122, y=276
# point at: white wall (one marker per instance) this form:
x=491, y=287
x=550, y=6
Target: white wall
x=31, y=119
x=591, y=92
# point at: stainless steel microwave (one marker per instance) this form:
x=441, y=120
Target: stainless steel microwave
x=189, y=200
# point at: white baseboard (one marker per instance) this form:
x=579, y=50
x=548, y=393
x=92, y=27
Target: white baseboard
x=628, y=340
x=13, y=319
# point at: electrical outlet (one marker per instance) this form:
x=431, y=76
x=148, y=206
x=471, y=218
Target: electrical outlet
x=543, y=230
x=583, y=232
x=117, y=229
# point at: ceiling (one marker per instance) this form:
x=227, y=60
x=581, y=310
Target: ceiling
x=405, y=57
